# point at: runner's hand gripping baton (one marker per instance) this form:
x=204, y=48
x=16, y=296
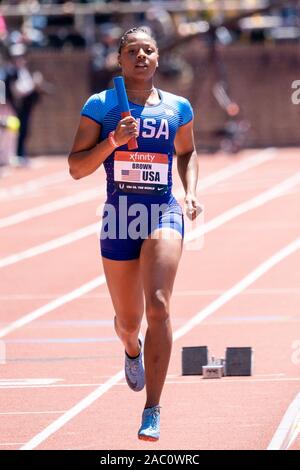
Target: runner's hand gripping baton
x=124, y=105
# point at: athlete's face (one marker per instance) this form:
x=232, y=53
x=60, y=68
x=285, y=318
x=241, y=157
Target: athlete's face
x=139, y=57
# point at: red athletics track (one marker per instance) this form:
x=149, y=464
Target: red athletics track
x=67, y=352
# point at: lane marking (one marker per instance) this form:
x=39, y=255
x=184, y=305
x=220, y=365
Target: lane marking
x=74, y=411
x=62, y=203
x=196, y=320
x=199, y=381
x=261, y=291
x=33, y=185
x=250, y=319
x=15, y=297
x=239, y=287
x=27, y=382
x=12, y=413
x=257, y=201
x=177, y=293
x=234, y=169
x=50, y=245
x=82, y=339
x=226, y=216
x=289, y=427
x=106, y=339
x=73, y=323
x=75, y=294
x=45, y=360
x=246, y=206
x=11, y=443
x=88, y=195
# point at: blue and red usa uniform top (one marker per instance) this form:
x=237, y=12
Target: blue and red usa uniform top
x=146, y=171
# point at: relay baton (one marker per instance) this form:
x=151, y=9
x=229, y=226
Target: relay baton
x=124, y=105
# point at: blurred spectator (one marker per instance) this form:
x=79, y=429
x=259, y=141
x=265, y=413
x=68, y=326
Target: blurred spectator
x=3, y=29
x=160, y=22
x=9, y=124
x=104, y=55
x=32, y=33
x=61, y=32
x=23, y=89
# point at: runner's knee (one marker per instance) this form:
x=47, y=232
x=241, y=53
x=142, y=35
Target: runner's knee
x=127, y=326
x=157, y=306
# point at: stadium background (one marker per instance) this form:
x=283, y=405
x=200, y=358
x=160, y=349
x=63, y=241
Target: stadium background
x=249, y=47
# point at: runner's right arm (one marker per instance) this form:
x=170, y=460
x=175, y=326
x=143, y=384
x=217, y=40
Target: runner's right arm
x=87, y=153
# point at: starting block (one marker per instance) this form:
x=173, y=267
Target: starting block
x=193, y=359
x=238, y=361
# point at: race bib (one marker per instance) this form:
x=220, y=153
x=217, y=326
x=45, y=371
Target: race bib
x=141, y=172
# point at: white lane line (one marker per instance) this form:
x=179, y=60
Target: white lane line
x=71, y=385
x=16, y=297
x=246, y=206
x=68, y=201
x=84, y=196
x=198, y=318
x=25, y=382
x=227, y=381
x=74, y=411
x=11, y=443
x=192, y=235
x=92, y=229
x=50, y=245
x=199, y=381
x=206, y=292
x=289, y=427
x=238, y=288
x=234, y=169
x=177, y=293
x=295, y=431
x=75, y=294
x=33, y=185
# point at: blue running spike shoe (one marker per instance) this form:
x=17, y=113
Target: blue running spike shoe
x=134, y=371
x=149, y=430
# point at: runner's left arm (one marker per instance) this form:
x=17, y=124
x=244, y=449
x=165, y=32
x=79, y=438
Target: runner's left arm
x=187, y=164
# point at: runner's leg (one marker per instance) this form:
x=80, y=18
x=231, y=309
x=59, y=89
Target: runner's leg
x=159, y=262
x=125, y=286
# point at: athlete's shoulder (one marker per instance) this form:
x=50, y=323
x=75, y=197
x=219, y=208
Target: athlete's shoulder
x=181, y=104
x=108, y=96
x=173, y=99
x=99, y=104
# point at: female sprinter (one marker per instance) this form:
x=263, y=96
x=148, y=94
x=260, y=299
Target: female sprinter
x=140, y=261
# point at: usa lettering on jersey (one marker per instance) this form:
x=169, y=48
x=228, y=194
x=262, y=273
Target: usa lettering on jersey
x=150, y=128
